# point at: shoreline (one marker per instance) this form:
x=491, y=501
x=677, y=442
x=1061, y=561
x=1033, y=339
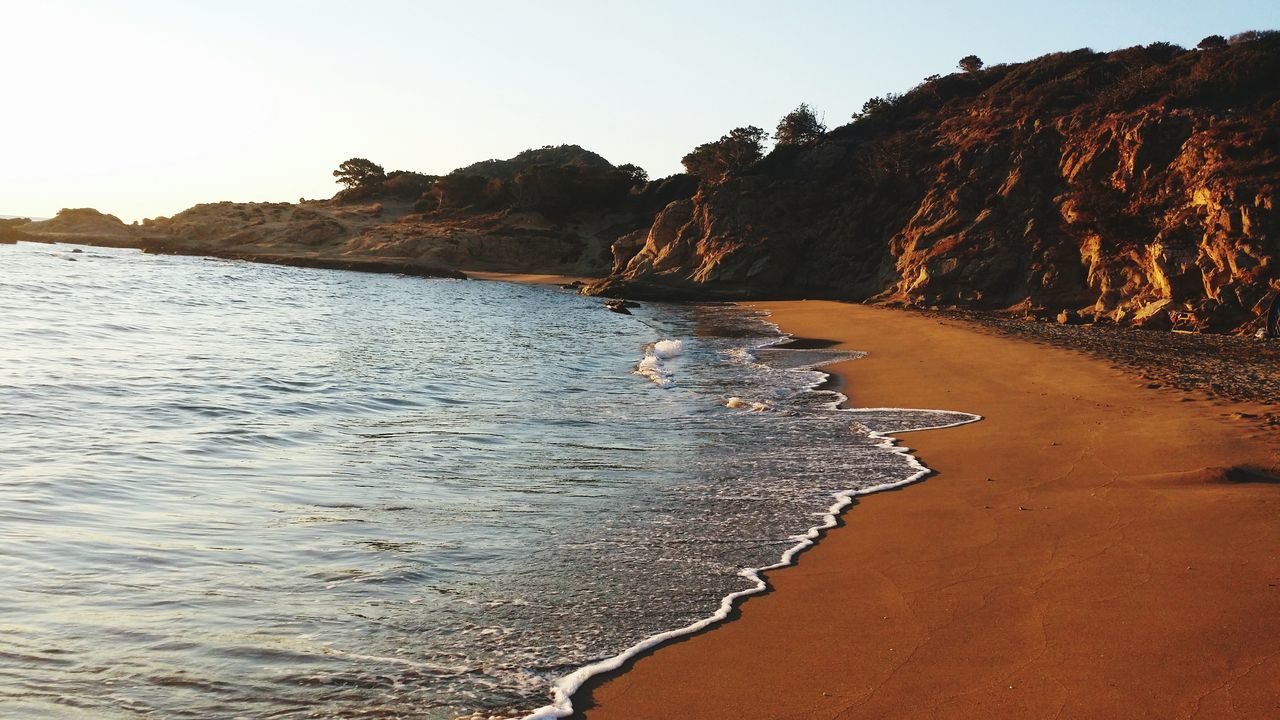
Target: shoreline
x=1087, y=550
x=564, y=690
x=955, y=362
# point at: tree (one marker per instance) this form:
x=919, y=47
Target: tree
x=459, y=190
x=877, y=105
x=970, y=63
x=731, y=154
x=799, y=127
x=1250, y=36
x=406, y=184
x=1212, y=42
x=358, y=173
x=635, y=174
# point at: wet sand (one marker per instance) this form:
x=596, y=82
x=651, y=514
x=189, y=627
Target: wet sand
x=531, y=278
x=1094, y=548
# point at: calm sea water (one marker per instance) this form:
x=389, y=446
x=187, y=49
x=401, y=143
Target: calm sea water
x=237, y=490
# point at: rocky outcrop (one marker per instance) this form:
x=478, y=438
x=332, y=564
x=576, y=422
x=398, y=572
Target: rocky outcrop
x=81, y=224
x=9, y=232
x=1110, y=187
x=570, y=230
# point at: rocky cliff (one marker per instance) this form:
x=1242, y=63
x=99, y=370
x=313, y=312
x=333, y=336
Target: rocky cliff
x=1109, y=187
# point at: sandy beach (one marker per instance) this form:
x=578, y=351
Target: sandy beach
x=1094, y=548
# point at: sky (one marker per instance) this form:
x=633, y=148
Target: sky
x=143, y=108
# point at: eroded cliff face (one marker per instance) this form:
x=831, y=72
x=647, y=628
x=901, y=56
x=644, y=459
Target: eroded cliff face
x=1118, y=209
x=1119, y=218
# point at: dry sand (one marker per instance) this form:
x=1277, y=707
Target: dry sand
x=1086, y=551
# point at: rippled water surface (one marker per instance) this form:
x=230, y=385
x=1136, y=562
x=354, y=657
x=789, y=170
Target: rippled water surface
x=237, y=490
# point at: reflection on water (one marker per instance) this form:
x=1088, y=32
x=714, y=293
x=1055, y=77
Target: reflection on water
x=235, y=490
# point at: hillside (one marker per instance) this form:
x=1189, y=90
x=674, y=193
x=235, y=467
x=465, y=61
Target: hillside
x=547, y=210
x=1107, y=187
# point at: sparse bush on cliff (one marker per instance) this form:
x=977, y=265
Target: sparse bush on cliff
x=545, y=155
x=635, y=174
x=1163, y=52
x=879, y=106
x=560, y=190
x=407, y=184
x=360, y=174
x=730, y=155
x=555, y=180
x=799, y=127
x=970, y=63
x=460, y=190
x=1251, y=35
x=552, y=189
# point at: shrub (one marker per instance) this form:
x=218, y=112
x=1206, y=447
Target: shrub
x=731, y=154
x=408, y=185
x=460, y=190
x=970, y=63
x=634, y=174
x=1212, y=42
x=878, y=106
x=799, y=127
x=359, y=173
x=1251, y=35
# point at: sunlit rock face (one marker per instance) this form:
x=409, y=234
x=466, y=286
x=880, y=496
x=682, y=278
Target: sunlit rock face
x=1116, y=186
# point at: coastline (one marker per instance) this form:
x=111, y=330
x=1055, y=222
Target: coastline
x=1093, y=548
x=925, y=357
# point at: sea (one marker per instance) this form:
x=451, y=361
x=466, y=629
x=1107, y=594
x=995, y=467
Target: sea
x=235, y=490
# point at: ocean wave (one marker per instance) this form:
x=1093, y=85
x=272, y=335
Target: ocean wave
x=653, y=365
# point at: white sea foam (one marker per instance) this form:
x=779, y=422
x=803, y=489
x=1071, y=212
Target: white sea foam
x=653, y=366
x=666, y=349
x=562, y=692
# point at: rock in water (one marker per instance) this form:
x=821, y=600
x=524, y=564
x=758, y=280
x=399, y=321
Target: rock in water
x=617, y=302
x=619, y=306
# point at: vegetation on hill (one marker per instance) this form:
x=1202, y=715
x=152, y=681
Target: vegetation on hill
x=555, y=180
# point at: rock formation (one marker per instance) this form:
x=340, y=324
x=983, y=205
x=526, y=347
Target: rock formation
x=1109, y=187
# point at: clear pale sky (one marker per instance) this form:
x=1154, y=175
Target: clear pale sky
x=145, y=107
